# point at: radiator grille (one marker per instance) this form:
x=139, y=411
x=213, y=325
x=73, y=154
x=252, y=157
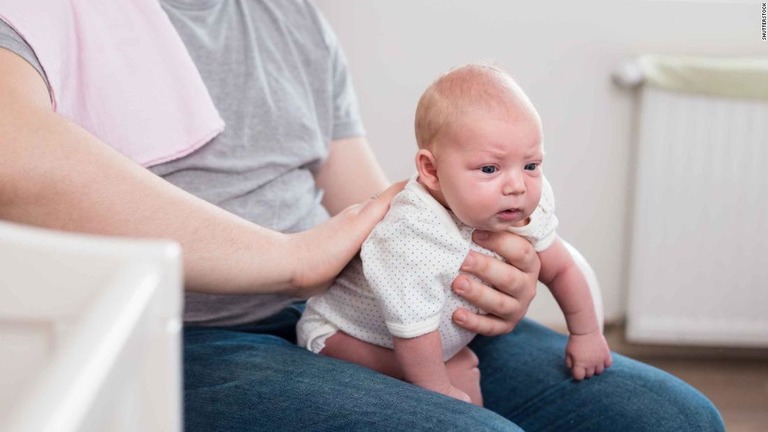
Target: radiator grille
x=699, y=255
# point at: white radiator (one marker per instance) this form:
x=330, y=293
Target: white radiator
x=699, y=254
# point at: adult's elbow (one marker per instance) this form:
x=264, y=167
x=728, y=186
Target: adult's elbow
x=23, y=175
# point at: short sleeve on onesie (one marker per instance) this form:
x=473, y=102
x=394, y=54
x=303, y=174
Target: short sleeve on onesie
x=541, y=229
x=410, y=260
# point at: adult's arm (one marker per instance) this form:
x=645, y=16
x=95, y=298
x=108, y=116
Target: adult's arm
x=350, y=174
x=54, y=174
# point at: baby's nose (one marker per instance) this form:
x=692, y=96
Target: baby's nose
x=514, y=184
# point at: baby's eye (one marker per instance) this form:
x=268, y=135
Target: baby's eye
x=531, y=166
x=489, y=169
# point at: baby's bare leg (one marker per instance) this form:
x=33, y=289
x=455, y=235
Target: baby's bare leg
x=345, y=347
x=465, y=375
x=462, y=368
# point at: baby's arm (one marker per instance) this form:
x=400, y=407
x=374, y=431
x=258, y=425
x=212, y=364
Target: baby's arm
x=587, y=353
x=421, y=359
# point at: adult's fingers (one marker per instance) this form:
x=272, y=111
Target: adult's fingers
x=502, y=311
x=357, y=221
x=323, y=251
x=504, y=304
x=504, y=276
x=373, y=209
x=514, y=249
x=487, y=325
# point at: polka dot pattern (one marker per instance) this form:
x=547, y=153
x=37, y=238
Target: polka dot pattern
x=400, y=283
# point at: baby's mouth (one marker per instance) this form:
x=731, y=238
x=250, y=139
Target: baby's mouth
x=510, y=214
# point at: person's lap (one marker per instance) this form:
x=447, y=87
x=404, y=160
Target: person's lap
x=524, y=378
x=255, y=378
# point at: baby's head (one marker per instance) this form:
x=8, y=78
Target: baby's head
x=480, y=149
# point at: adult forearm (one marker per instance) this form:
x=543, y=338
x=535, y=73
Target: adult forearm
x=54, y=174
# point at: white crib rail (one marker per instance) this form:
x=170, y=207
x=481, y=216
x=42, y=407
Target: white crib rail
x=89, y=333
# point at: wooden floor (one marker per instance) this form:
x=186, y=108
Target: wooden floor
x=735, y=380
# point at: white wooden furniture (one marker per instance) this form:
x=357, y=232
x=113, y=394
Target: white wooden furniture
x=89, y=332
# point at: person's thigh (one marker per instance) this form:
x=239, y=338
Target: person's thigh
x=241, y=381
x=524, y=378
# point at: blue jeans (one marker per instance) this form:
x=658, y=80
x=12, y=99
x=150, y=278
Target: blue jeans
x=252, y=378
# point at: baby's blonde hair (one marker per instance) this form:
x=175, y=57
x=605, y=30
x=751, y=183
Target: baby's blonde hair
x=482, y=86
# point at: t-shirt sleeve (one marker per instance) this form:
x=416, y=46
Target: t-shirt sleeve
x=347, y=121
x=409, y=264
x=12, y=41
x=541, y=231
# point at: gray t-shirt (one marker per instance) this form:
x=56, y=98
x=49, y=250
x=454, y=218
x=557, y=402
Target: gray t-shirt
x=278, y=77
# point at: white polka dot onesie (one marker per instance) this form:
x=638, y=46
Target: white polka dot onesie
x=400, y=283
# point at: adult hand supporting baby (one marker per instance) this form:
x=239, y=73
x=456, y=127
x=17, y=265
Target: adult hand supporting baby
x=323, y=251
x=509, y=287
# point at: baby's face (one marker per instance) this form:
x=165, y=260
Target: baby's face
x=489, y=169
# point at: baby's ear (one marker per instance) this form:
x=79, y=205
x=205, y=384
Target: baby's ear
x=427, y=167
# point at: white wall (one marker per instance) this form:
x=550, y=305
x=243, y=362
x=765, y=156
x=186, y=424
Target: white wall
x=562, y=53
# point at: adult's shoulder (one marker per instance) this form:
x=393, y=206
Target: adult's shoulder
x=12, y=41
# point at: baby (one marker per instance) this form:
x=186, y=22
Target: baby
x=479, y=167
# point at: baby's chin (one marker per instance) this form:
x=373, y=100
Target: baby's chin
x=497, y=222
x=495, y=225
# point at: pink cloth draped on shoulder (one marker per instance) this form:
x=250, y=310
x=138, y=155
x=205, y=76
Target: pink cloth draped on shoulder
x=118, y=69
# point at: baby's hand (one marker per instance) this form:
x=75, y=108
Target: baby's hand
x=587, y=355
